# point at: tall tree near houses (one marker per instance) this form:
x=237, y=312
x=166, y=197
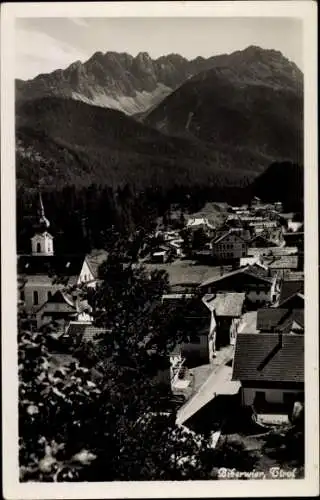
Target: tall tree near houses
x=121, y=426
x=108, y=415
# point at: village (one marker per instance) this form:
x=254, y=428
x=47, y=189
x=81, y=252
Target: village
x=242, y=269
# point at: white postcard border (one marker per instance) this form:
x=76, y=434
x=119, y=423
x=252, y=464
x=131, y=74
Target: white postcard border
x=304, y=10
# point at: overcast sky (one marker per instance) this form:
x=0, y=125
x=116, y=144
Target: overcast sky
x=46, y=44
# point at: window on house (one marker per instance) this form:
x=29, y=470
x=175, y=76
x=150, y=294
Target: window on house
x=38, y=247
x=49, y=295
x=22, y=295
x=35, y=298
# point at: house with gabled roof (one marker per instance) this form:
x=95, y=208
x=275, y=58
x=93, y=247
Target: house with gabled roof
x=62, y=307
x=89, y=274
x=254, y=280
x=280, y=320
x=195, y=223
x=229, y=246
x=226, y=309
x=270, y=367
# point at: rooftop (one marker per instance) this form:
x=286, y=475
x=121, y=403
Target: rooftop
x=248, y=323
x=221, y=237
x=62, y=302
x=273, y=250
x=269, y=357
x=262, y=238
x=86, y=331
x=284, y=262
x=295, y=276
x=186, y=272
x=256, y=270
x=289, y=289
x=226, y=304
x=198, y=221
x=63, y=265
x=279, y=320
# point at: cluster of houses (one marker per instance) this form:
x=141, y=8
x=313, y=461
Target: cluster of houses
x=254, y=312
x=261, y=318
x=259, y=232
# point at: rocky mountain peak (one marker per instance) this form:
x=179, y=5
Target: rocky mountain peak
x=136, y=84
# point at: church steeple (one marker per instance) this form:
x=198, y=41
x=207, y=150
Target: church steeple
x=42, y=241
x=43, y=221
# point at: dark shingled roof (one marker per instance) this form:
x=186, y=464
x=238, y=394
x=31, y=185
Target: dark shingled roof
x=60, y=302
x=262, y=357
x=65, y=265
x=257, y=271
x=279, y=320
x=269, y=318
x=289, y=289
x=290, y=323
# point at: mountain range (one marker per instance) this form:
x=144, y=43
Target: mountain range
x=136, y=84
x=219, y=120
x=115, y=80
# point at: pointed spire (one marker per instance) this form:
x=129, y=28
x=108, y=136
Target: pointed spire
x=44, y=223
x=42, y=214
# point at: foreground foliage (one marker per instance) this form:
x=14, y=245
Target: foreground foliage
x=104, y=411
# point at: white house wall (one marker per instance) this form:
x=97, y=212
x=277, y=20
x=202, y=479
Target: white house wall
x=85, y=275
x=230, y=247
x=43, y=290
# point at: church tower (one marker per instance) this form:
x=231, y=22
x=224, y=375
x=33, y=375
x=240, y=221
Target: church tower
x=42, y=241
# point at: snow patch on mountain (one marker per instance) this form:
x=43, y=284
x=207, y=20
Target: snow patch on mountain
x=129, y=105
